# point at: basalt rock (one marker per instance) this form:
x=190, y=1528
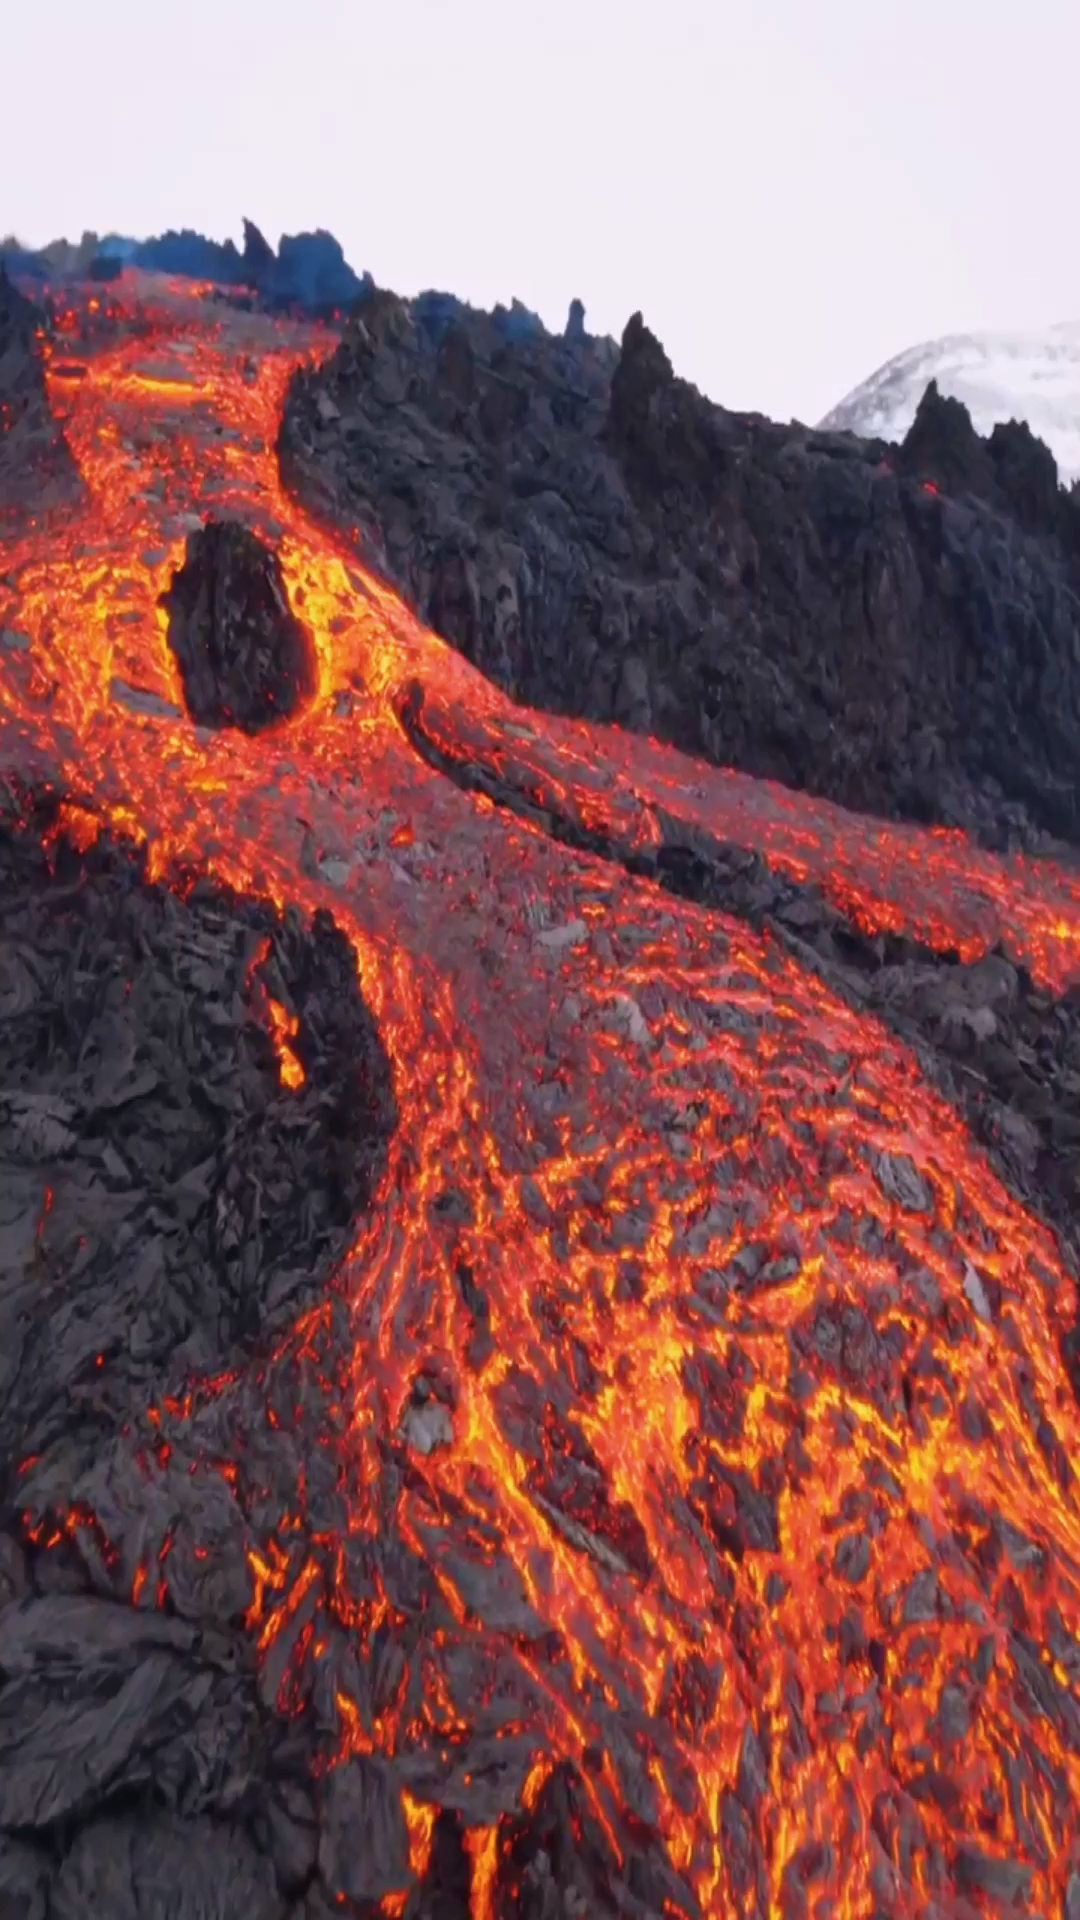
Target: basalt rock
x=168, y=1183
x=37, y=471
x=308, y=273
x=942, y=448
x=1012, y=470
x=245, y=660
x=896, y=629
x=194, y=1106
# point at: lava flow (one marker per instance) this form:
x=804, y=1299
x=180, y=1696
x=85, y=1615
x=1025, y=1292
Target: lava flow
x=687, y=1433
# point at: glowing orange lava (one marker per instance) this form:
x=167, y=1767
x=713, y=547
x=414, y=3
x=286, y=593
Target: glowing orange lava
x=642, y=1223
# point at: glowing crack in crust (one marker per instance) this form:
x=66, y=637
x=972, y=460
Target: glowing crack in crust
x=692, y=1353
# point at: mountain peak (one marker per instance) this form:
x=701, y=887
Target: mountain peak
x=1034, y=377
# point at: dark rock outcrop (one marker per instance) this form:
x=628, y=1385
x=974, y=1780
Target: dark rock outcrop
x=896, y=629
x=162, y=1191
x=245, y=660
x=309, y=272
x=168, y=1199
x=37, y=471
x=1012, y=471
x=942, y=449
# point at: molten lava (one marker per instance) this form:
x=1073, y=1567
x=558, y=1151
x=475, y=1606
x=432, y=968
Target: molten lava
x=705, y=1378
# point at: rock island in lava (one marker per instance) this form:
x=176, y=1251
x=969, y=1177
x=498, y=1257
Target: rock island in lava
x=538, y=1273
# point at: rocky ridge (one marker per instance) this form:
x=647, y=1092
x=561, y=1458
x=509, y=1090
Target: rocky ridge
x=895, y=628
x=32, y=444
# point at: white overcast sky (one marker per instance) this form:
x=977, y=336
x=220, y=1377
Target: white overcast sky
x=790, y=190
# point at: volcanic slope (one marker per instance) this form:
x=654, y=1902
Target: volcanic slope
x=669, y=1506
x=897, y=629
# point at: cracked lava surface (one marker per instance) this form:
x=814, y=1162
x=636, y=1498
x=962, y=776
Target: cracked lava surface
x=690, y=1409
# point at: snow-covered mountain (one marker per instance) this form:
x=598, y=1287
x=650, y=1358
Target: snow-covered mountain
x=999, y=376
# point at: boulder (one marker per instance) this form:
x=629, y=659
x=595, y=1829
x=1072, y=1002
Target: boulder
x=244, y=658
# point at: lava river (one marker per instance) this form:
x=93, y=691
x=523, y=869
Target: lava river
x=688, y=1420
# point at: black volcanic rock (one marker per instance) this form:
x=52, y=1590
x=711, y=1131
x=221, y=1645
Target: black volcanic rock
x=191, y=253
x=167, y=1201
x=1011, y=471
x=259, y=256
x=643, y=372
x=897, y=629
x=37, y=471
x=160, y=1186
x=1026, y=476
x=245, y=660
x=941, y=447
x=21, y=377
